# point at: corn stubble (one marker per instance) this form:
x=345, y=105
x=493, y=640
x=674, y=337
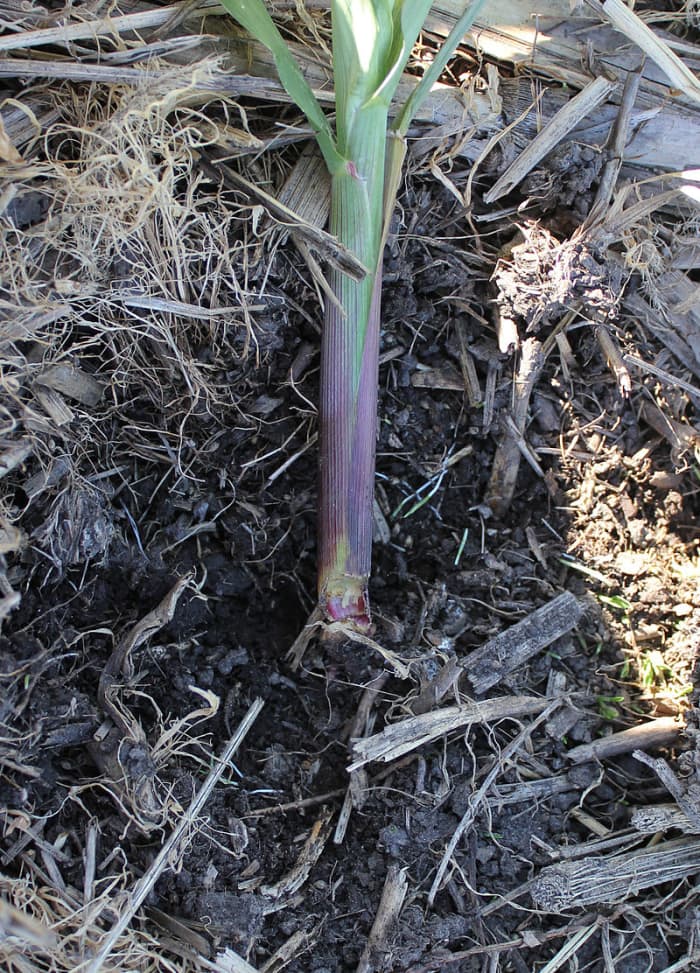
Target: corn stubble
x=372, y=42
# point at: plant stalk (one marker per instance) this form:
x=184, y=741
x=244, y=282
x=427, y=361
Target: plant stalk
x=349, y=382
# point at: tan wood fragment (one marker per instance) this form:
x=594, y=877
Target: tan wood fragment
x=400, y=738
x=299, y=942
x=613, y=879
x=634, y=28
x=438, y=378
x=228, y=961
x=390, y=904
x=510, y=650
x=506, y=462
x=283, y=891
x=656, y=733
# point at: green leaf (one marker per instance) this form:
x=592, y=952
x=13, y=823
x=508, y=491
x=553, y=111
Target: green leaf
x=253, y=15
x=431, y=76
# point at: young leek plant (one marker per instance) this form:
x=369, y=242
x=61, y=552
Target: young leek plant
x=372, y=41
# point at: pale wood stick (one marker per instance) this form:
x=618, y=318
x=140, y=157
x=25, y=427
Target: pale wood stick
x=399, y=738
x=656, y=733
x=393, y=895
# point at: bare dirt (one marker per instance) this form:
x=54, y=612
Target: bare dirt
x=192, y=456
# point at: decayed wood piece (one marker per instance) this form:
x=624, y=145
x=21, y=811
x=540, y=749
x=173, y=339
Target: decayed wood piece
x=664, y=129
x=530, y=791
x=400, y=738
x=660, y=817
x=629, y=24
x=229, y=961
x=506, y=462
x=281, y=893
x=307, y=189
x=656, y=733
x=299, y=942
x=609, y=880
x=391, y=902
x=510, y=650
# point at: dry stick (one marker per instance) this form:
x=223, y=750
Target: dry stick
x=655, y=733
x=551, y=135
x=616, y=147
x=228, y=961
x=393, y=895
x=281, y=892
x=476, y=798
x=100, y=27
x=605, y=880
x=506, y=462
x=400, y=738
x=299, y=942
x=616, y=363
x=510, y=650
x=629, y=24
x=671, y=783
x=170, y=847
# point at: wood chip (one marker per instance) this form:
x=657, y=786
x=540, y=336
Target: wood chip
x=653, y=818
x=510, y=650
x=282, y=892
x=551, y=135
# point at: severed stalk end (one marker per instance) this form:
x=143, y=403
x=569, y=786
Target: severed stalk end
x=345, y=599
